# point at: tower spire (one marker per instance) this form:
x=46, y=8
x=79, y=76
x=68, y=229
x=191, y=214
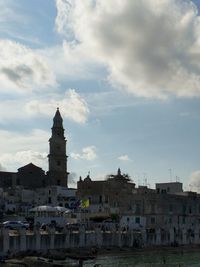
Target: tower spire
x=57, y=120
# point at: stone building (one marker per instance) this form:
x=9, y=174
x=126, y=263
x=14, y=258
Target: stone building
x=31, y=176
x=7, y=179
x=171, y=212
x=57, y=174
x=172, y=187
x=107, y=196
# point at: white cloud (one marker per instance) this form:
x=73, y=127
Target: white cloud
x=72, y=179
x=22, y=68
x=88, y=153
x=124, y=158
x=63, y=10
x=194, y=181
x=21, y=148
x=72, y=106
x=151, y=48
x=2, y=168
x=21, y=158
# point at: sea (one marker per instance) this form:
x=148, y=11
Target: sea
x=154, y=258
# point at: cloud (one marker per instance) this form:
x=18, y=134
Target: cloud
x=2, y=168
x=72, y=178
x=194, y=181
x=72, y=106
x=150, y=48
x=124, y=158
x=21, y=158
x=22, y=148
x=88, y=153
x=63, y=10
x=22, y=68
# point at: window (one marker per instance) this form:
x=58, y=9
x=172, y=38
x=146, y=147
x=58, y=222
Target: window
x=170, y=207
x=184, y=208
x=49, y=201
x=58, y=182
x=153, y=220
x=190, y=210
x=137, y=219
x=137, y=210
x=58, y=163
x=100, y=199
x=90, y=200
x=152, y=207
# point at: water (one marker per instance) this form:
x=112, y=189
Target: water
x=148, y=259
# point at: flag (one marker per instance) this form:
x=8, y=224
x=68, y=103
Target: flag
x=85, y=203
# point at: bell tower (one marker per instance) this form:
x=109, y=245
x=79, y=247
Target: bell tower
x=57, y=174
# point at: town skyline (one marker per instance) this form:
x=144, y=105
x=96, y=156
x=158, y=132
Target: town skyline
x=127, y=100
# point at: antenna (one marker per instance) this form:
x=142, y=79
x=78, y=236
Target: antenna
x=144, y=179
x=170, y=174
x=190, y=187
x=177, y=179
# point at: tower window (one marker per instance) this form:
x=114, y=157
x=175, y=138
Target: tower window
x=100, y=199
x=137, y=219
x=58, y=182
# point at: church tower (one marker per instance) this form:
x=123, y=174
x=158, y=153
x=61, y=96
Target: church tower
x=57, y=174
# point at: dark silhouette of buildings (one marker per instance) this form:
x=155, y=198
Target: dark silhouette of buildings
x=57, y=174
x=31, y=176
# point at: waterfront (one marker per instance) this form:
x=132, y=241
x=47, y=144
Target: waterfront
x=159, y=258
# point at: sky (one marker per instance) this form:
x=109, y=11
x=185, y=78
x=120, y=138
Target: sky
x=125, y=76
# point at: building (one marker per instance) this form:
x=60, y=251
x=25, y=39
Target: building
x=166, y=208
x=31, y=176
x=7, y=179
x=57, y=174
x=171, y=188
x=108, y=196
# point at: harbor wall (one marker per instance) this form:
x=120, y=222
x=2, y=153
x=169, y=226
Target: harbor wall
x=12, y=241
